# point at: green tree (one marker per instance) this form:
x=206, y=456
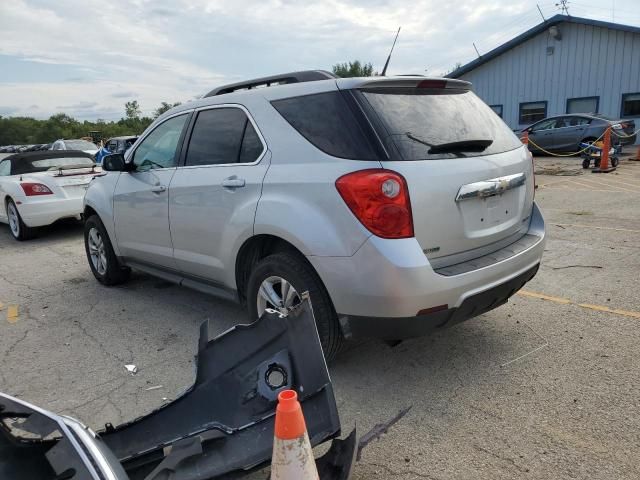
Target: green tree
x=353, y=69
x=132, y=110
x=164, y=107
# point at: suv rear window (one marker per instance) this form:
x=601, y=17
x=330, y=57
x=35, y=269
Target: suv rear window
x=452, y=124
x=327, y=121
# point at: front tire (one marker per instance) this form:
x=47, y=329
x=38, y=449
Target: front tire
x=102, y=259
x=277, y=282
x=18, y=229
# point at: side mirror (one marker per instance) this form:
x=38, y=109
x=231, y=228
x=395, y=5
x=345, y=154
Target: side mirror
x=113, y=163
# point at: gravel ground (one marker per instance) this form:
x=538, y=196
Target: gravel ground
x=546, y=386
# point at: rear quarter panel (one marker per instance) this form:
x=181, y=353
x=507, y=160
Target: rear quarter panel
x=299, y=201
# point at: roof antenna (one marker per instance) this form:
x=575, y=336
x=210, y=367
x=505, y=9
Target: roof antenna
x=543, y=19
x=386, y=64
x=476, y=48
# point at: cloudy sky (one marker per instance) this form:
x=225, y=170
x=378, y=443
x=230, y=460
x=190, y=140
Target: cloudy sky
x=88, y=57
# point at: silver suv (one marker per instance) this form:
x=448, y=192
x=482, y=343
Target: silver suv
x=402, y=204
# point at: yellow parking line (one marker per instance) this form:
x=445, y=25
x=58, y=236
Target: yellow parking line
x=617, y=311
x=542, y=296
x=12, y=313
x=596, y=227
x=566, y=301
x=604, y=184
x=591, y=189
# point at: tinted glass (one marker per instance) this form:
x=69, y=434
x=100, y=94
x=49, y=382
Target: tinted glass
x=546, y=125
x=578, y=121
x=251, y=145
x=497, y=109
x=582, y=105
x=326, y=120
x=44, y=164
x=158, y=149
x=631, y=105
x=532, y=112
x=416, y=122
x=5, y=168
x=216, y=137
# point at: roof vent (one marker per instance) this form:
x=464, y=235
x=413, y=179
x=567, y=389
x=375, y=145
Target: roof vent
x=554, y=32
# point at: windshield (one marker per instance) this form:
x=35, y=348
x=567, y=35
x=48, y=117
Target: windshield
x=79, y=145
x=437, y=126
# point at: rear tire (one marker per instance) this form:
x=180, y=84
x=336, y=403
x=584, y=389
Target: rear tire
x=18, y=229
x=296, y=272
x=102, y=259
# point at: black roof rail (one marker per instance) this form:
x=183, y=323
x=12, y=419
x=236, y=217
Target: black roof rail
x=281, y=79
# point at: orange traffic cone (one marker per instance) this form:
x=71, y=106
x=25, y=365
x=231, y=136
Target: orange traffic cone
x=292, y=455
x=525, y=137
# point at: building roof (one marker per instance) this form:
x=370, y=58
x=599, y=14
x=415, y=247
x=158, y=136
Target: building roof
x=532, y=32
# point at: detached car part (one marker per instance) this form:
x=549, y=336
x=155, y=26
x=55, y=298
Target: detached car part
x=223, y=424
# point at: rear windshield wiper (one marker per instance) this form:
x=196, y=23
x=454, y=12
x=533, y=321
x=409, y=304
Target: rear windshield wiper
x=461, y=146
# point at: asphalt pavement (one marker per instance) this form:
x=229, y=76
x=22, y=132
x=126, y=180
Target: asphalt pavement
x=545, y=387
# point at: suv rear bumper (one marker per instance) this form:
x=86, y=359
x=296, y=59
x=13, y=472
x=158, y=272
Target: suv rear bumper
x=382, y=289
x=409, y=327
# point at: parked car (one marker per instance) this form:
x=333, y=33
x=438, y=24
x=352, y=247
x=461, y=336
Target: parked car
x=567, y=132
x=39, y=188
x=120, y=144
x=115, y=145
x=401, y=204
x=79, y=144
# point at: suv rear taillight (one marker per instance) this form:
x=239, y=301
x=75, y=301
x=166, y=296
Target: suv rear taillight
x=380, y=200
x=32, y=189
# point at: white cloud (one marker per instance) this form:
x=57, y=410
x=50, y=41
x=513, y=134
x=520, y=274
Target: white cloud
x=172, y=50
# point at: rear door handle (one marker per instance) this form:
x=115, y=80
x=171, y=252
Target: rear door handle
x=233, y=182
x=158, y=188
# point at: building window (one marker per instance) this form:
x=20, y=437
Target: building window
x=497, y=109
x=630, y=105
x=583, y=105
x=531, y=112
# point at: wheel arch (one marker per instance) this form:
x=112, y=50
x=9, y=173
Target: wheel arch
x=255, y=249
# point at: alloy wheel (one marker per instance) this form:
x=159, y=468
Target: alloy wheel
x=14, y=219
x=277, y=293
x=97, y=252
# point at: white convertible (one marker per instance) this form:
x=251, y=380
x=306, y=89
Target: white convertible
x=38, y=188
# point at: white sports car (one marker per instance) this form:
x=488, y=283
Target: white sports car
x=38, y=188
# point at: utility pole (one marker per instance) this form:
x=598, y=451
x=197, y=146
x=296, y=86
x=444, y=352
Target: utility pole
x=563, y=5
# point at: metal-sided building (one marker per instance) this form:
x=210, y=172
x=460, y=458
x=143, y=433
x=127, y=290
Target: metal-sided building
x=563, y=65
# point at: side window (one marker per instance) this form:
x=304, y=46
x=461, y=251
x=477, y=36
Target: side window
x=578, y=121
x=5, y=168
x=251, y=145
x=562, y=122
x=630, y=105
x=158, y=149
x=112, y=146
x=327, y=121
x=531, y=112
x=546, y=125
x=223, y=136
